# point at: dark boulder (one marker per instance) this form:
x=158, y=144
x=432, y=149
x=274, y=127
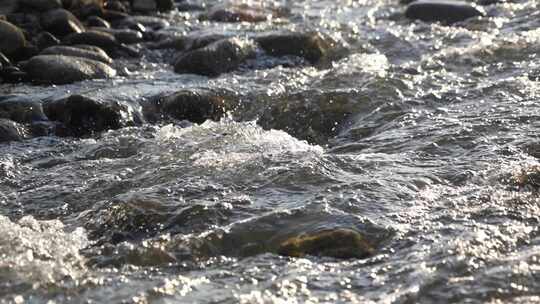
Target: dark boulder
x=11, y=131
x=4, y=61
x=442, y=11
x=73, y=51
x=58, y=69
x=13, y=74
x=216, y=58
x=195, y=105
x=61, y=22
x=12, y=38
x=81, y=115
x=313, y=46
x=45, y=40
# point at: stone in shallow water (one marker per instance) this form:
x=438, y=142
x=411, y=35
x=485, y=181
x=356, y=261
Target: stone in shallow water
x=73, y=51
x=61, y=22
x=195, y=105
x=313, y=46
x=58, y=69
x=81, y=115
x=337, y=243
x=45, y=40
x=11, y=131
x=216, y=58
x=442, y=11
x=12, y=38
x=236, y=13
x=21, y=109
x=103, y=40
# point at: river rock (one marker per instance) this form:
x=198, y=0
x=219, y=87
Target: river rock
x=148, y=6
x=94, y=54
x=4, y=61
x=11, y=131
x=45, y=40
x=190, y=42
x=103, y=40
x=442, y=10
x=96, y=21
x=313, y=46
x=21, y=109
x=12, y=38
x=58, y=69
x=216, y=58
x=41, y=5
x=236, y=13
x=336, y=243
x=61, y=22
x=81, y=115
x=126, y=36
x=195, y=105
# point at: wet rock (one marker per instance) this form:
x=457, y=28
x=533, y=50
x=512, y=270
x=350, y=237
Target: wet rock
x=100, y=39
x=58, y=69
x=186, y=6
x=188, y=43
x=236, y=13
x=8, y=6
x=41, y=5
x=113, y=16
x=45, y=40
x=219, y=57
x=195, y=105
x=309, y=115
x=124, y=35
x=336, y=243
x=313, y=46
x=93, y=54
x=442, y=11
x=21, y=109
x=96, y=21
x=82, y=116
x=12, y=38
x=154, y=23
x=11, y=131
x=4, y=61
x=61, y=22
x=116, y=6
x=13, y=74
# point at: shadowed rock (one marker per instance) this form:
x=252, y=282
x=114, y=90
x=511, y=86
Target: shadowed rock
x=73, y=51
x=41, y=5
x=57, y=69
x=61, y=22
x=216, y=58
x=45, y=40
x=12, y=38
x=21, y=109
x=101, y=39
x=442, y=11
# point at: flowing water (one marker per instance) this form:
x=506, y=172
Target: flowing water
x=424, y=138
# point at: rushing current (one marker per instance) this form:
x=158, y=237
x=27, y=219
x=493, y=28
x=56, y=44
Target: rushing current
x=424, y=138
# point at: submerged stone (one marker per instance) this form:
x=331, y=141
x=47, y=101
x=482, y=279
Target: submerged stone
x=21, y=109
x=337, y=243
x=442, y=10
x=58, y=69
x=216, y=58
